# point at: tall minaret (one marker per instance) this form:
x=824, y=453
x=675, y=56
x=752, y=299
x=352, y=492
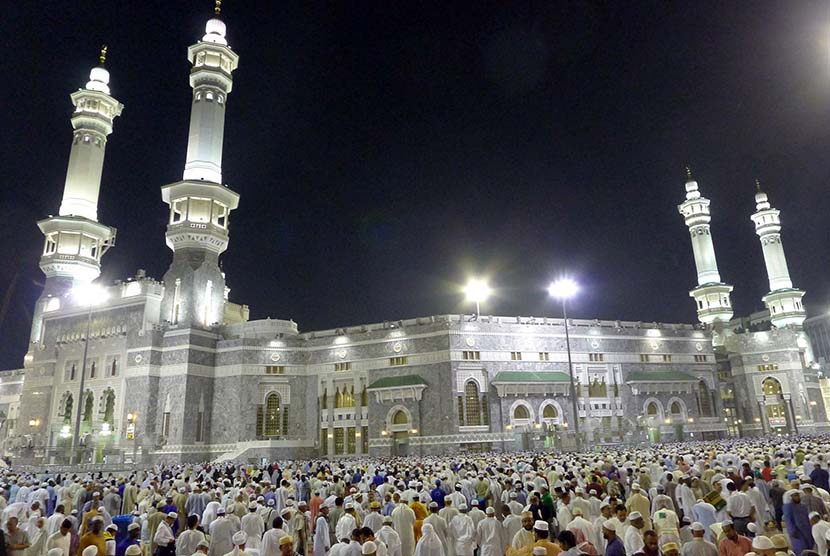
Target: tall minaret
x=711, y=295
x=75, y=240
x=200, y=204
x=783, y=301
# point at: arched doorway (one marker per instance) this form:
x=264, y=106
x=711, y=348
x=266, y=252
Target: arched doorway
x=653, y=418
x=400, y=422
x=776, y=411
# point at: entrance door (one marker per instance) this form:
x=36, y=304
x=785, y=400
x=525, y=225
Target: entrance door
x=400, y=446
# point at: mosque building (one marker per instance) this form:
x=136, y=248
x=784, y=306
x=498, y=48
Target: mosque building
x=173, y=370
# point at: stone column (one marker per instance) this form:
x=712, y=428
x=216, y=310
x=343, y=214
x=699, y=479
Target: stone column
x=762, y=408
x=788, y=403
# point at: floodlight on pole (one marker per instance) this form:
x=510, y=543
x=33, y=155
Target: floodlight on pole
x=564, y=289
x=477, y=291
x=86, y=295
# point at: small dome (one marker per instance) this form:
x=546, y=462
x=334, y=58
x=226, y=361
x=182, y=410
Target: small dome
x=215, y=31
x=691, y=190
x=99, y=79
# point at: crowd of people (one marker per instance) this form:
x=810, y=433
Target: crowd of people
x=757, y=497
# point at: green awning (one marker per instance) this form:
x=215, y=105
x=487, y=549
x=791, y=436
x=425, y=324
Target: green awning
x=661, y=376
x=398, y=381
x=522, y=377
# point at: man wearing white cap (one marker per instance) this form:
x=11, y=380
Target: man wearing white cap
x=164, y=538
x=698, y=546
x=404, y=519
x=346, y=524
x=462, y=533
x=613, y=545
x=322, y=542
x=388, y=536
x=489, y=535
x=253, y=526
x=201, y=548
x=637, y=502
x=581, y=527
x=221, y=533
x=239, y=540
x=633, y=540
x=820, y=529
x=439, y=525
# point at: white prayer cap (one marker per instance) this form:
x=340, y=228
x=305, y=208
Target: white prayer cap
x=539, y=551
x=580, y=490
x=697, y=526
x=239, y=538
x=726, y=523
x=811, y=515
x=112, y=527
x=447, y=498
x=100, y=508
x=490, y=511
x=202, y=543
x=513, y=495
x=474, y=502
x=55, y=552
x=173, y=515
x=387, y=520
x=349, y=506
x=540, y=525
x=252, y=506
x=285, y=510
x=133, y=526
x=94, y=494
x=635, y=486
x=368, y=547
x=270, y=502
x=220, y=511
x=463, y=507
x=133, y=550
x=610, y=525
x=604, y=504
x=88, y=552
x=762, y=543
x=634, y=515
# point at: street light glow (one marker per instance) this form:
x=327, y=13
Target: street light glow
x=89, y=295
x=564, y=288
x=477, y=290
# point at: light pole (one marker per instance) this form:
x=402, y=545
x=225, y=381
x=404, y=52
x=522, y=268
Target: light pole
x=131, y=419
x=90, y=296
x=564, y=289
x=477, y=291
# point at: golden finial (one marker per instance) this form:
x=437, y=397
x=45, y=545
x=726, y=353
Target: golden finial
x=218, y=7
x=103, y=57
x=757, y=185
x=688, y=173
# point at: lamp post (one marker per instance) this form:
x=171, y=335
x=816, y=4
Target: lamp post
x=563, y=289
x=89, y=295
x=477, y=291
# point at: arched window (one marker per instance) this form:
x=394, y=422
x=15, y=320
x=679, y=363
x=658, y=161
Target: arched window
x=651, y=409
x=521, y=413
x=400, y=418
x=324, y=402
x=675, y=409
x=771, y=387
x=338, y=399
x=364, y=397
x=472, y=414
x=109, y=407
x=550, y=412
x=273, y=416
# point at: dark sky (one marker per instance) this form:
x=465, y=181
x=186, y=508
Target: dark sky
x=384, y=151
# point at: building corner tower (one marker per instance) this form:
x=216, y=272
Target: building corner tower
x=783, y=300
x=711, y=295
x=200, y=204
x=74, y=240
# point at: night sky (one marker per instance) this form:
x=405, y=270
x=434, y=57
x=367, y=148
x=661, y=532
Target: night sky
x=384, y=151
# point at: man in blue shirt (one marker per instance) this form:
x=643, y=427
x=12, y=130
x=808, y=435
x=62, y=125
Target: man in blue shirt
x=132, y=539
x=437, y=494
x=614, y=546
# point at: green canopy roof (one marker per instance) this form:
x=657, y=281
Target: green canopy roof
x=398, y=381
x=661, y=376
x=528, y=377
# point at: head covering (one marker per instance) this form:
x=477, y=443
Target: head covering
x=669, y=546
x=387, y=520
x=88, y=552
x=697, y=526
x=133, y=550
x=610, y=525
x=540, y=551
x=779, y=542
x=634, y=515
x=172, y=515
x=285, y=539
x=762, y=543
x=239, y=538
x=540, y=525
x=56, y=552
x=202, y=543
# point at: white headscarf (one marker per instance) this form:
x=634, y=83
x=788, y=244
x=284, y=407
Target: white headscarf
x=429, y=544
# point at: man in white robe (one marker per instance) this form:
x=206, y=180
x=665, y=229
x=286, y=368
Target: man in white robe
x=463, y=533
x=439, y=525
x=429, y=544
x=404, y=520
x=389, y=537
x=253, y=526
x=322, y=544
x=524, y=536
x=489, y=535
x=221, y=534
x=271, y=539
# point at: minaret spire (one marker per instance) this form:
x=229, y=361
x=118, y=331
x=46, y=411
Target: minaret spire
x=711, y=294
x=102, y=58
x=200, y=204
x=74, y=240
x=783, y=301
